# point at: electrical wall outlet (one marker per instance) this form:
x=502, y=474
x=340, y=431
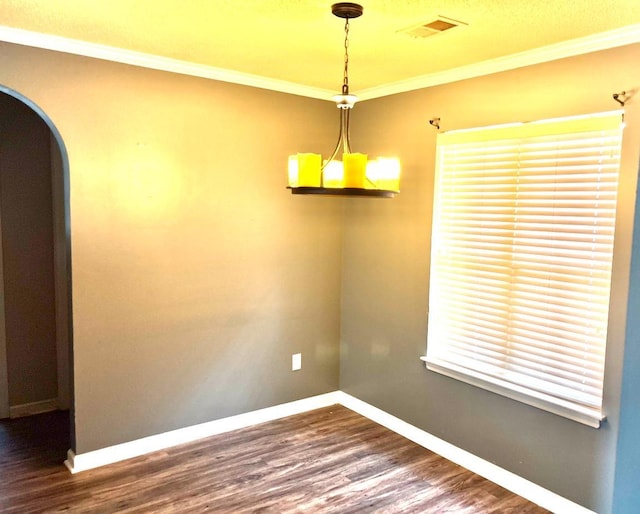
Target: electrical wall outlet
x=296, y=361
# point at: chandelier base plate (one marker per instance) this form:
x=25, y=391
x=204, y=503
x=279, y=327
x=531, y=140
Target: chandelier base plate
x=347, y=10
x=345, y=191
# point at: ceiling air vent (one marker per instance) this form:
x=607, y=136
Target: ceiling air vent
x=440, y=24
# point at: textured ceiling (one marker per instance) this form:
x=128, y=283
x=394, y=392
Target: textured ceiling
x=300, y=41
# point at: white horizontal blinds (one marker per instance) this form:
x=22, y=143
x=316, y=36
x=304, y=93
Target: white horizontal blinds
x=522, y=246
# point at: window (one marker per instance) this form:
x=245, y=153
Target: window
x=522, y=245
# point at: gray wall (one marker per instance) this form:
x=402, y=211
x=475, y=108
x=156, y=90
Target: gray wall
x=27, y=244
x=386, y=255
x=196, y=274
x=627, y=477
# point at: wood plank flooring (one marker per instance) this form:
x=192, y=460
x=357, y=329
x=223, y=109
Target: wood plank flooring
x=331, y=460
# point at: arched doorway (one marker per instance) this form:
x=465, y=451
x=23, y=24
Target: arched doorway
x=35, y=273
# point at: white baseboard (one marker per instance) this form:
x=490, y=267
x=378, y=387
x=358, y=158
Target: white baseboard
x=514, y=483
x=119, y=452
x=29, y=409
x=518, y=485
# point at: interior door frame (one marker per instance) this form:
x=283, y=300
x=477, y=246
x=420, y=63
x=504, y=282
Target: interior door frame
x=4, y=378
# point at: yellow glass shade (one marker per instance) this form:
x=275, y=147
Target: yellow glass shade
x=333, y=175
x=292, y=171
x=372, y=174
x=305, y=170
x=384, y=173
x=388, y=174
x=355, y=166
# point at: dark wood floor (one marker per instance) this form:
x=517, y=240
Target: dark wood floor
x=329, y=460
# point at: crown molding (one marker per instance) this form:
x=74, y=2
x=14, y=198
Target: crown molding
x=593, y=43
x=601, y=41
x=155, y=62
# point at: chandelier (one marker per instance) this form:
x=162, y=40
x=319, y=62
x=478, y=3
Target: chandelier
x=355, y=175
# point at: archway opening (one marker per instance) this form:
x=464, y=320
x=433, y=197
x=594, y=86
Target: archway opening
x=36, y=363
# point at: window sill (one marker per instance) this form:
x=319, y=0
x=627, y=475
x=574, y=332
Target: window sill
x=538, y=400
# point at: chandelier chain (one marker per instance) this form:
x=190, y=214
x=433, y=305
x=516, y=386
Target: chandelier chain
x=345, y=83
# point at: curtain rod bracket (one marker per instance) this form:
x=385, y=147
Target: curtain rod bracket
x=617, y=97
x=435, y=122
